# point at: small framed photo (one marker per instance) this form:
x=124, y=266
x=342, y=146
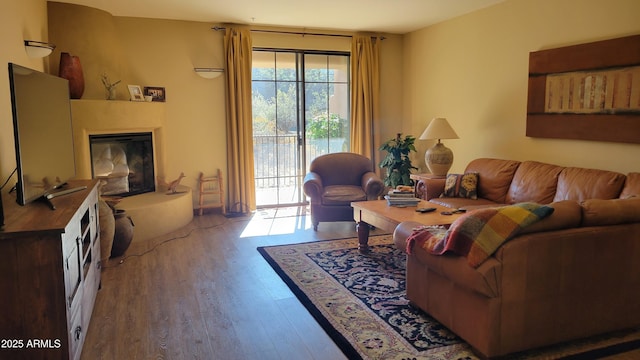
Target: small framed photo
x=136, y=93
x=156, y=93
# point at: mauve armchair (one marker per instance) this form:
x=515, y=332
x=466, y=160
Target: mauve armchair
x=334, y=181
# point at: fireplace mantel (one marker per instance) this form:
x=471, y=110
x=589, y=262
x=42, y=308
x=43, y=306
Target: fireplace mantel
x=154, y=213
x=91, y=117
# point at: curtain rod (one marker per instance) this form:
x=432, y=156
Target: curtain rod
x=222, y=28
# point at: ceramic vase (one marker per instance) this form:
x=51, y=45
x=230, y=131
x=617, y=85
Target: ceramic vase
x=111, y=93
x=71, y=69
x=123, y=233
x=107, y=229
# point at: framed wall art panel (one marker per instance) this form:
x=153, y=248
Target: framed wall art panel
x=587, y=92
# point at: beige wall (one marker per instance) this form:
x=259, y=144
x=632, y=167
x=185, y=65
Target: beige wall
x=163, y=53
x=151, y=52
x=148, y=52
x=473, y=70
x=19, y=20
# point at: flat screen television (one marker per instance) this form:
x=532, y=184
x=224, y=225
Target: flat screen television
x=42, y=131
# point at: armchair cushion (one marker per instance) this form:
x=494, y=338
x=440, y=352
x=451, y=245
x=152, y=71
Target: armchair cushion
x=342, y=194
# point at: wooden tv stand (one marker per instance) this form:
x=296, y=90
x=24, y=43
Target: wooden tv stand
x=50, y=266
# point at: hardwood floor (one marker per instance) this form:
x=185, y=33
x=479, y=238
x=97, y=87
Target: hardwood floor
x=204, y=292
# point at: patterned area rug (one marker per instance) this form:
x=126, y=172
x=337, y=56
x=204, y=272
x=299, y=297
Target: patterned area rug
x=360, y=302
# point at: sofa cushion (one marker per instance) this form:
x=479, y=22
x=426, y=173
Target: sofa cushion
x=631, y=186
x=494, y=177
x=581, y=184
x=342, y=194
x=597, y=212
x=461, y=185
x=535, y=182
x=567, y=214
x=456, y=203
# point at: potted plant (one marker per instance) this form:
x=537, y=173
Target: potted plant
x=397, y=162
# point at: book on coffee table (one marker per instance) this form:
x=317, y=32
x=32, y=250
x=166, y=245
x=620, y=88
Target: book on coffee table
x=401, y=200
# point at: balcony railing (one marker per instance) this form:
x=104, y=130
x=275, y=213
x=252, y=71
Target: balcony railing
x=277, y=166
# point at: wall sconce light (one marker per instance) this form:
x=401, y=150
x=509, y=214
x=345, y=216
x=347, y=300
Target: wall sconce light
x=38, y=49
x=208, y=73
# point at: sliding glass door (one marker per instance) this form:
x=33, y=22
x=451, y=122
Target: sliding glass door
x=300, y=111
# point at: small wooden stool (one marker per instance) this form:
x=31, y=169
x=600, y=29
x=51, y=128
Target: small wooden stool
x=211, y=186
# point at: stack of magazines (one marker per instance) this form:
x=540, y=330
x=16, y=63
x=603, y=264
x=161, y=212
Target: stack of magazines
x=401, y=198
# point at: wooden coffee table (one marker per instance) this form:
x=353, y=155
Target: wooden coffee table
x=379, y=214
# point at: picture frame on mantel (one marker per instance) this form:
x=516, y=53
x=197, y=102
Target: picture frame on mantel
x=135, y=92
x=156, y=93
x=586, y=92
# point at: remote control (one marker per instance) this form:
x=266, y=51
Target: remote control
x=425, y=210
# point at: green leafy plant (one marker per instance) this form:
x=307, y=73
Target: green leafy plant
x=397, y=162
x=321, y=127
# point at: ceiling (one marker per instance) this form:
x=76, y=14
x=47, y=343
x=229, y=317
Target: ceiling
x=388, y=16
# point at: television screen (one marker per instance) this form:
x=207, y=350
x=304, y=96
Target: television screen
x=42, y=130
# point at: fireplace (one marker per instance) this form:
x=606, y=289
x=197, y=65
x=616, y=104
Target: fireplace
x=123, y=162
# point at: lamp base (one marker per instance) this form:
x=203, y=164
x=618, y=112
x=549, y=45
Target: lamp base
x=439, y=159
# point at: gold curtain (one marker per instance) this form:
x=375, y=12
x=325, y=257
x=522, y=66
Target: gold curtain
x=365, y=85
x=241, y=183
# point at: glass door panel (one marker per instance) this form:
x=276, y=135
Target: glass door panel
x=300, y=111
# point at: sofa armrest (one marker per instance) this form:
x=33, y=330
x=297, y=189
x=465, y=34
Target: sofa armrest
x=427, y=189
x=312, y=186
x=372, y=185
x=402, y=232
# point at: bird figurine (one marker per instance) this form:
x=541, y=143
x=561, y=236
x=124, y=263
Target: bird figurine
x=172, y=186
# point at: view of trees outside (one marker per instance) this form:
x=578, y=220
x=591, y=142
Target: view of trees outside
x=300, y=101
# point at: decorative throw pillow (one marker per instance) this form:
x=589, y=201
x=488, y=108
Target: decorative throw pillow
x=461, y=185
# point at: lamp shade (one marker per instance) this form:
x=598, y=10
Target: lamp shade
x=438, y=128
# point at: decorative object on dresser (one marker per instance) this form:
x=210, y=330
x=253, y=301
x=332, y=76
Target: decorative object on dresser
x=50, y=261
x=439, y=157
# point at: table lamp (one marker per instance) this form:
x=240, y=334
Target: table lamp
x=439, y=157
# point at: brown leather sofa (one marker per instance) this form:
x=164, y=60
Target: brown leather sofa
x=334, y=181
x=572, y=275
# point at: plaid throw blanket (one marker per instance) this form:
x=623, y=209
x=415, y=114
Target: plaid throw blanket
x=478, y=234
